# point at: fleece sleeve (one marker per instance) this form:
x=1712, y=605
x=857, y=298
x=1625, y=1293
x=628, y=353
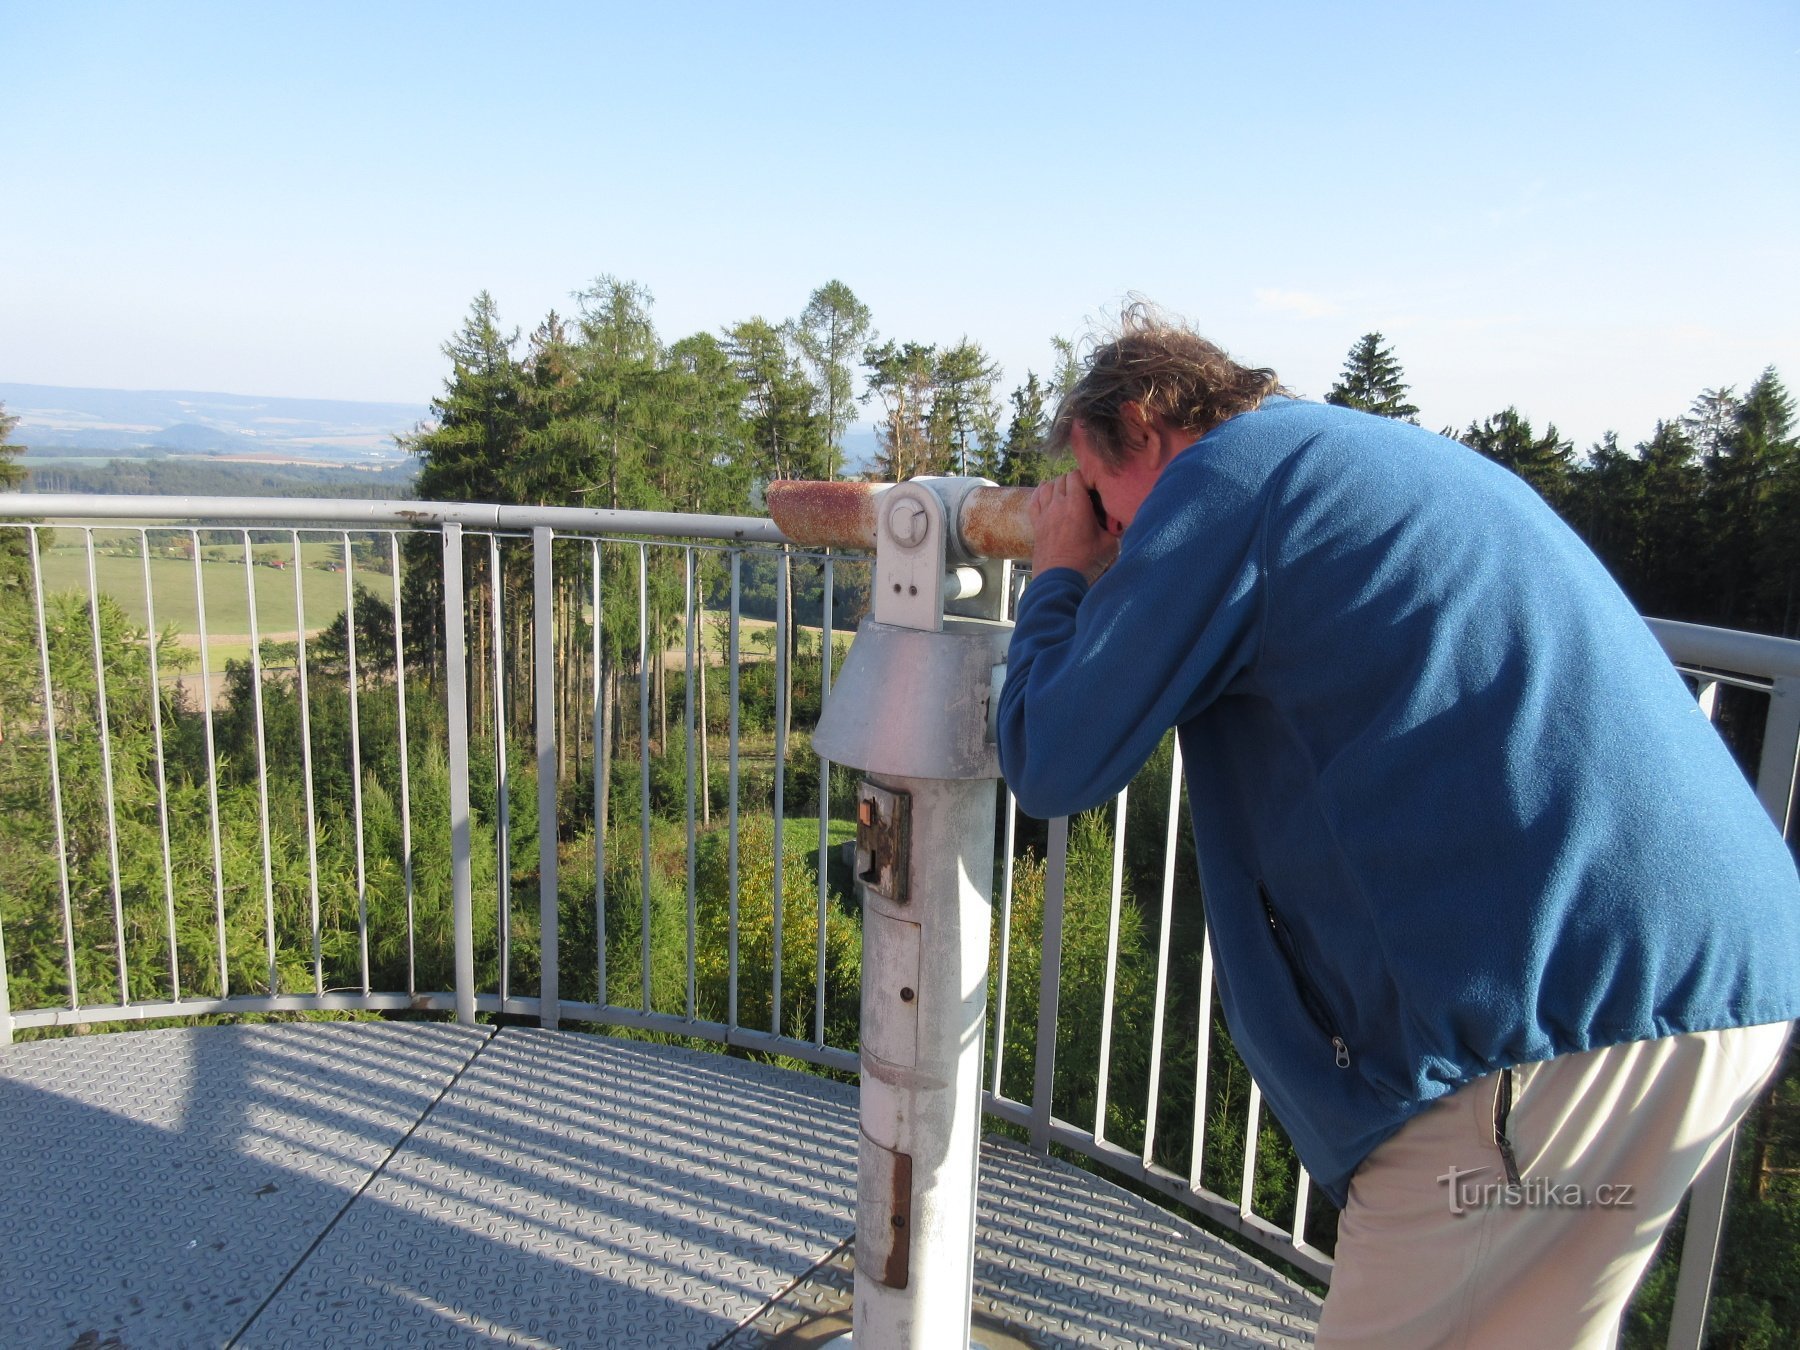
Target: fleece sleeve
x=1095, y=676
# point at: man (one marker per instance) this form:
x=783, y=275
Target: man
x=1500, y=929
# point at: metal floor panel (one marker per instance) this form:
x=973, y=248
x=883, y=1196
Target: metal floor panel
x=1076, y=1261
x=158, y=1185
x=1066, y=1259
x=258, y=1186
x=574, y=1190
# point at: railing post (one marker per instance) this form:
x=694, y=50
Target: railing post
x=913, y=710
x=1780, y=767
x=1043, y=1083
x=456, y=694
x=543, y=649
x=1700, y=1249
x=6, y=1021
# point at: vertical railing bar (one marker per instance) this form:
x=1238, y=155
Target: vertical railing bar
x=56, y=797
x=456, y=696
x=1056, y=875
x=306, y=768
x=106, y=773
x=406, y=848
x=731, y=793
x=687, y=717
x=782, y=659
x=212, y=765
x=262, y=770
x=1006, y=891
x=1162, y=955
x=1005, y=959
x=356, y=794
x=1706, y=694
x=1202, y=1062
x=1247, y=1193
x=824, y=812
x=502, y=781
x=543, y=648
x=1700, y=1249
x=1112, y=967
x=644, y=772
x=1779, y=767
x=6, y=1018
x=1302, y=1199
x=601, y=766
x=162, y=783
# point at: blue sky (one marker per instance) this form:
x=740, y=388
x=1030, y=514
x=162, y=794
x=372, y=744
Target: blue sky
x=1589, y=210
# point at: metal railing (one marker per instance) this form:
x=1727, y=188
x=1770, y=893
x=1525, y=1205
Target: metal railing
x=165, y=866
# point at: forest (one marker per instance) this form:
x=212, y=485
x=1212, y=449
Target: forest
x=267, y=838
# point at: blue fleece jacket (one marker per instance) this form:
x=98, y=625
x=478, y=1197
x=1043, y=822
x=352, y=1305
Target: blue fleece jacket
x=1454, y=808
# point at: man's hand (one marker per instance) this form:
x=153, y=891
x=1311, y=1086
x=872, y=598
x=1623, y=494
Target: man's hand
x=1065, y=530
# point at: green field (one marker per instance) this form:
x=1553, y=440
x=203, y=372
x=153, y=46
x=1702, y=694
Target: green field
x=119, y=572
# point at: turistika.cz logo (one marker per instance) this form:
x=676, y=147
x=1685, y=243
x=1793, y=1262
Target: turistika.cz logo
x=1465, y=1194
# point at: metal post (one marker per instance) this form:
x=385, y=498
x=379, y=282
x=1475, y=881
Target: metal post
x=913, y=711
x=456, y=696
x=543, y=650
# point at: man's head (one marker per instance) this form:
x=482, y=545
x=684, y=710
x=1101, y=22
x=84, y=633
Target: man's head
x=1171, y=376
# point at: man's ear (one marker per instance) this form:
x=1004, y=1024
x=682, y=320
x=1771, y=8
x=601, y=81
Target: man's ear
x=1136, y=428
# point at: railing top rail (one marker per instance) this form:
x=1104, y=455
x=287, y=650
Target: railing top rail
x=1727, y=648
x=340, y=511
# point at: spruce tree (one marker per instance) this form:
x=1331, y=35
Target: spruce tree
x=1021, y=457
x=479, y=428
x=904, y=378
x=831, y=333
x=964, y=415
x=1542, y=461
x=12, y=477
x=15, y=553
x=788, y=438
x=1372, y=382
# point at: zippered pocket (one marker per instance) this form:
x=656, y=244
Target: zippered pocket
x=1309, y=996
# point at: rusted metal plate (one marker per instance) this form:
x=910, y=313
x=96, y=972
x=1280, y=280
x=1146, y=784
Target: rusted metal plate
x=825, y=515
x=884, y=1213
x=995, y=523
x=883, y=838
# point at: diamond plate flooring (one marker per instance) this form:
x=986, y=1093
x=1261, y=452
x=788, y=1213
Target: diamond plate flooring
x=388, y=1184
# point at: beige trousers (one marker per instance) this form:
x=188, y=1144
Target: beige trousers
x=1438, y=1247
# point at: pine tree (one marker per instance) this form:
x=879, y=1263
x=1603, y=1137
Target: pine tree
x=1065, y=371
x=788, y=439
x=1605, y=505
x=904, y=378
x=1542, y=461
x=15, y=551
x=1671, y=539
x=12, y=476
x=1764, y=436
x=831, y=333
x=618, y=358
x=1746, y=446
x=964, y=414
x=1372, y=382
x=1021, y=455
x=479, y=427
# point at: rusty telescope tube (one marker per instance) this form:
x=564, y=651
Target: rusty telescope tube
x=989, y=522
x=913, y=710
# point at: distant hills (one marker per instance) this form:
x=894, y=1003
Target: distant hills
x=67, y=433
x=60, y=423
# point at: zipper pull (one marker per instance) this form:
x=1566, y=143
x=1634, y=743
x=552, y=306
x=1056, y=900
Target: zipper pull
x=1341, y=1057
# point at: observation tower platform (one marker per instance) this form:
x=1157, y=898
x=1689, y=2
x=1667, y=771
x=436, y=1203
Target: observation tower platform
x=422, y=1184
